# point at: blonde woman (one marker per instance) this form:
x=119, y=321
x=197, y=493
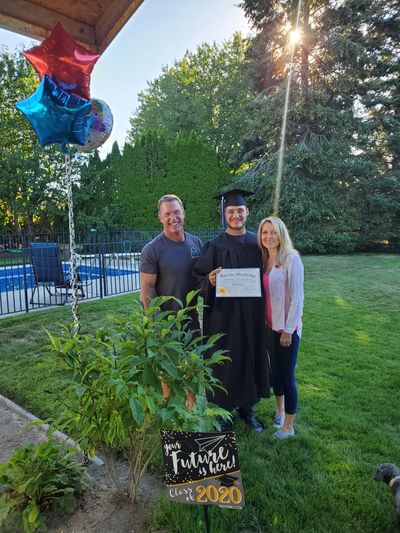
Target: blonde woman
x=283, y=280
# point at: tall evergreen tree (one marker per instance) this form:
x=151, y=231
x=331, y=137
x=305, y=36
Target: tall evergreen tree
x=97, y=192
x=155, y=166
x=328, y=160
x=88, y=193
x=379, y=100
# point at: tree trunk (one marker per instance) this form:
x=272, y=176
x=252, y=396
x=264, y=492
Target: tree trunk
x=29, y=230
x=111, y=468
x=140, y=454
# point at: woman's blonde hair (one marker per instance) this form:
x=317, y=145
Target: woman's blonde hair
x=285, y=242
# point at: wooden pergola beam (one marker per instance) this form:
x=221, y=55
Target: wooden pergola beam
x=113, y=20
x=106, y=19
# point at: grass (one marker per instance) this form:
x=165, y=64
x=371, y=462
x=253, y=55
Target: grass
x=348, y=421
x=24, y=349
x=11, y=259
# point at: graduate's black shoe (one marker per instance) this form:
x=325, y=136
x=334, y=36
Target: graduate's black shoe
x=255, y=424
x=226, y=425
x=248, y=416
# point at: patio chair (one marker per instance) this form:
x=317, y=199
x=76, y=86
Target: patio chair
x=48, y=270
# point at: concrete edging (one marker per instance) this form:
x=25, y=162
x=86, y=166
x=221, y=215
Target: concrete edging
x=59, y=435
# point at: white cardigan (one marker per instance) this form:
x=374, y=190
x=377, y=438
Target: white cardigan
x=286, y=287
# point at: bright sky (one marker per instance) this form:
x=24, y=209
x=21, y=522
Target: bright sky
x=159, y=32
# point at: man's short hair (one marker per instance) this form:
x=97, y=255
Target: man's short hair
x=169, y=198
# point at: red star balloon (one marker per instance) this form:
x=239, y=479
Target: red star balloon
x=68, y=63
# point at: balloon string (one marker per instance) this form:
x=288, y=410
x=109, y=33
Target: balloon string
x=72, y=247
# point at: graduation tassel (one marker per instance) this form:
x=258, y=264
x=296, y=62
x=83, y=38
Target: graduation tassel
x=222, y=212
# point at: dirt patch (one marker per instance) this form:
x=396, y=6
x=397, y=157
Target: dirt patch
x=99, y=509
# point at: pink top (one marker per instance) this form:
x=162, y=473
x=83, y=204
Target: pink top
x=268, y=307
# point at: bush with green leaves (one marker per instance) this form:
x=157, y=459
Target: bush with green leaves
x=38, y=478
x=114, y=399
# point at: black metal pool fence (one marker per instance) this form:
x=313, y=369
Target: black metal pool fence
x=134, y=240
x=37, y=274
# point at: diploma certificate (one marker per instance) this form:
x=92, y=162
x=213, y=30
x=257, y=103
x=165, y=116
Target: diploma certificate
x=238, y=283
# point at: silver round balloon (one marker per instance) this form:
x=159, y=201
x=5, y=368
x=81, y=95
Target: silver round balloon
x=99, y=125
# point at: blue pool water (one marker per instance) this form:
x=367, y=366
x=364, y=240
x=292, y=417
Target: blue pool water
x=12, y=278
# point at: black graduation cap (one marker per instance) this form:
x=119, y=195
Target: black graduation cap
x=227, y=480
x=231, y=197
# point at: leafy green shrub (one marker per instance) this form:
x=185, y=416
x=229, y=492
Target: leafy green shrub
x=36, y=479
x=154, y=166
x=114, y=396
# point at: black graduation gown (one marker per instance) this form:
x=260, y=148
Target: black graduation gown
x=242, y=320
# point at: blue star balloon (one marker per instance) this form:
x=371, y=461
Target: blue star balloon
x=56, y=116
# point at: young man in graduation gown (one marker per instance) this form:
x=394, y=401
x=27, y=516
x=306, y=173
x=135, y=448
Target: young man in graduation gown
x=240, y=319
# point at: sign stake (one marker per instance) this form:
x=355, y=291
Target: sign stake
x=207, y=518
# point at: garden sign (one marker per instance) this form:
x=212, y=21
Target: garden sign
x=202, y=468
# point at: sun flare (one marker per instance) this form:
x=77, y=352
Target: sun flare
x=294, y=37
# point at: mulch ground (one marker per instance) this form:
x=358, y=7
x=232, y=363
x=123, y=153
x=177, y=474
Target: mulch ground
x=99, y=509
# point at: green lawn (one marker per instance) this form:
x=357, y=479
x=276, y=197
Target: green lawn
x=24, y=344
x=10, y=259
x=349, y=397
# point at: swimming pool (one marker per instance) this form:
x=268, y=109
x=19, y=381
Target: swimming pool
x=12, y=278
